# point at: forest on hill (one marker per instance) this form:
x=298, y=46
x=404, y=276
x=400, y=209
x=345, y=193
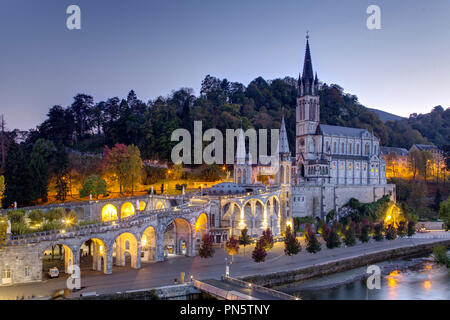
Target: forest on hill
x=87, y=126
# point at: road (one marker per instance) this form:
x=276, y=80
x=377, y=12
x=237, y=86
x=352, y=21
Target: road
x=163, y=273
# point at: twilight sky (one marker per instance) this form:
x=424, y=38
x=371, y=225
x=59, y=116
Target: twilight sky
x=155, y=46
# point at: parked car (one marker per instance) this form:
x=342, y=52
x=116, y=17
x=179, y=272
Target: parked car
x=53, y=273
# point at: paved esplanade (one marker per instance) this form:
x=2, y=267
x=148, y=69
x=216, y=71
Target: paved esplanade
x=163, y=273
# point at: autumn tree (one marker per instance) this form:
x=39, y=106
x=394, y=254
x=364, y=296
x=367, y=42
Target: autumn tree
x=206, y=249
x=245, y=239
x=232, y=247
x=444, y=212
x=259, y=253
x=291, y=244
x=267, y=237
x=312, y=244
x=3, y=230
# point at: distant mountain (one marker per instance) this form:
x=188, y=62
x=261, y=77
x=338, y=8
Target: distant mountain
x=386, y=116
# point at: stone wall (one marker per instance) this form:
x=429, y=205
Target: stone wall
x=286, y=277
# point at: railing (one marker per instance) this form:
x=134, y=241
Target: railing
x=268, y=291
x=183, y=209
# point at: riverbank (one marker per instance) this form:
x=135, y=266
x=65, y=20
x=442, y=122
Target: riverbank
x=277, y=279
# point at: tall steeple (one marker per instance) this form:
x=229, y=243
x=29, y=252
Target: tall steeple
x=283, y=141
x=307, y=85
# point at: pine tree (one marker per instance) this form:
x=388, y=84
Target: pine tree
x=245, y=239
x=206, y=249
x=378, y=232
x=260, y=253
x=313, y=245
x=390, y=232
x=411, y=228
x=349, y=235
x=291, y=244
x=402, y=229
x=332, y=239
x=268, y=239
x=232, y=247
x=365, y=230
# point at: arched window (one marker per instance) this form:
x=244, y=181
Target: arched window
x=326, y=147
x=366, y=149
x=334, y=147
x=342, y=148
x=357, y=149
x=350, y=148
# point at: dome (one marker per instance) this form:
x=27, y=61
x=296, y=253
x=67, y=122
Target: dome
x=225, y=188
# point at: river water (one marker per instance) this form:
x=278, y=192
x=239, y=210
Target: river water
x=407, y=279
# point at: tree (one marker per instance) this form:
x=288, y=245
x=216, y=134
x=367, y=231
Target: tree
x=378, y=232
x=206, y=249
x=93, y=185
x=291, y=244
x=232, y=247
x=36, y=216
x=17, y=177
x=245, y=239
x=411, y=228
x=123, y=164
x=349, y=235
x=3, y=230
x=365, y=230
x=61, y=172
x=55, y=214
x=390, y=232
x=268, y=239
x=331, y=238
x=259, y=253
x=2, y=189
x=40, y=168
x=313, y=245
x=16, y=216
x=402, y=230
x=444, y=213
x=440, y=255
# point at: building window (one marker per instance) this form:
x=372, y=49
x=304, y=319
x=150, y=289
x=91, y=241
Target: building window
x=6, y=276
x=366, y=149
x=350, y=148
x=349, y=166
x=334, y=147
x=334, y=165
x=342, y=165
x=357, y=166
x=357, y=149
x=326, y=147
x=342, y=148
x=27, y=272
x=127, y=245
x=365, y=167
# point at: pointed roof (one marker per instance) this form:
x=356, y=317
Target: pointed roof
x=307, y=65
x=240, y=150
x=283, y=140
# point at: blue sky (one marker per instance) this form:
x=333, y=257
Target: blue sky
x=154, y=47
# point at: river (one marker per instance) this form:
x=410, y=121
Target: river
x=406, y=279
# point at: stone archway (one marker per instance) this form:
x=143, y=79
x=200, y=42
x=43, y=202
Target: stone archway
x=126, y=244
x=109, y=213
x=95, y=251
x=177, y=232
x=58, y=255
x=148, y=244
x=127, y=210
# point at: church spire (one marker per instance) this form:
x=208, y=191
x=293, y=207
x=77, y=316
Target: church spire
x=283, y=140
x=307, y=83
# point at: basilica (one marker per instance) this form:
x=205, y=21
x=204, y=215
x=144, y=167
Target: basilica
x=332, y=164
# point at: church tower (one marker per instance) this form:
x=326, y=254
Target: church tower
x=307, y=112
x=285, y=176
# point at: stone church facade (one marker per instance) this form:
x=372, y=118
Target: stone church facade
x=332, y=164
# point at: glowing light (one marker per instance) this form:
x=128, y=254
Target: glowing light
x=428, y=267
x=144, y=241
x=100, y=249
x=142, y=205
x=109, y=212
x=127, y=210
x=427, y=285
x=393, y=278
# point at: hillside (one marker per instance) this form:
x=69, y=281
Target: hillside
x=385, y=116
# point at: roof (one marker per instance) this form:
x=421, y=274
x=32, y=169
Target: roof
x=425, y=147
x=225, y=188
x=341, y=131
x=398, y=151
x=283, y=143
x=308, y=74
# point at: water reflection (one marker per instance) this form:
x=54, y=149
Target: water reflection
x=426, y=281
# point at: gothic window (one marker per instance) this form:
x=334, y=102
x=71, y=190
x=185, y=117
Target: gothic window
x=334, y=147
x=342, y=165
x=326, y=147
x=334, y=165
x=349, y=166
x=312, y=112
x=366, y=149
x=342, y=148
x=357, y=149
x=350, y=148
x=357, y=166
x=27, y=271
x=127, y=245
x=365, y=167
